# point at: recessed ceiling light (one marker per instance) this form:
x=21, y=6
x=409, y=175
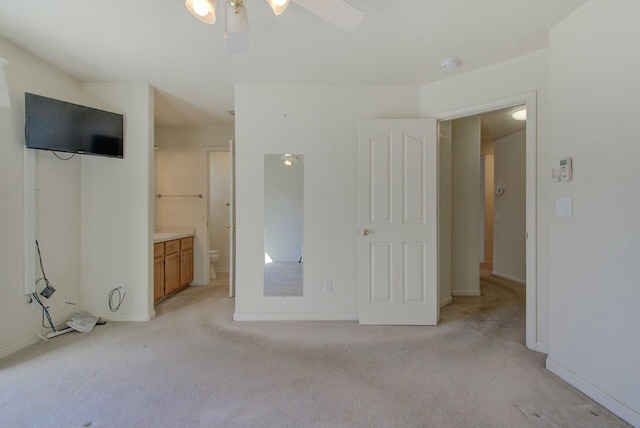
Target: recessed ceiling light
x=520, y=114
x=449, y=63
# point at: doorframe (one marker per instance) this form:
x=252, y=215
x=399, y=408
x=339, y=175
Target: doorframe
x=208, y=150
x=529, y=99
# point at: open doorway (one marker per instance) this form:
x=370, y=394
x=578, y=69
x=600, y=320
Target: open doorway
x=218, y=212
x=484, y=192
x=501, y=309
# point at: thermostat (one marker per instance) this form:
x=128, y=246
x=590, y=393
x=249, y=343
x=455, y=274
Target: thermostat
x=566, y=170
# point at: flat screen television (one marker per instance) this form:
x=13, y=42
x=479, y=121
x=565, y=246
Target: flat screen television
x=65, y=127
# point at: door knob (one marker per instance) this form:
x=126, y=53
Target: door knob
x=365, y=232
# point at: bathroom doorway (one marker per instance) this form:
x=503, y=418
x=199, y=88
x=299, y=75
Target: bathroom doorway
x=219, y=211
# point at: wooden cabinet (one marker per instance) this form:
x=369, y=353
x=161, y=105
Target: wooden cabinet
x=172, y=266
x=171, y=273
x=186, y=261
x=158, y=271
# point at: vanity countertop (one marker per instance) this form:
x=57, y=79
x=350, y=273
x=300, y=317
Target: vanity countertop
x=169, y=233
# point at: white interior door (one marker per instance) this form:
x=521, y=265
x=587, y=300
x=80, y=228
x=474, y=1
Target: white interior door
x=232, y=220
x=398, y=255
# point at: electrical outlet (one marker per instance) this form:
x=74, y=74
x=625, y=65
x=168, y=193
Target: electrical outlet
x=328, y=286
x=65, y=302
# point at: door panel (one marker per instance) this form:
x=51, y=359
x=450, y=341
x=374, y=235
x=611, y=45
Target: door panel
x=414, y=274
x=380, y=179
x=398, y=222
x=414, y=180
x=381, y=271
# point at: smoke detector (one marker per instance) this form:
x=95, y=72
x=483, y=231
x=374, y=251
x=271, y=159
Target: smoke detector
x=449, y=64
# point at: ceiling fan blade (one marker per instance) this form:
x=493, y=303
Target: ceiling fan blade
x=236, y=43
x=337, y=12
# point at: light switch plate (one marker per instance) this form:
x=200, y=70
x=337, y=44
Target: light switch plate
x=564, y=207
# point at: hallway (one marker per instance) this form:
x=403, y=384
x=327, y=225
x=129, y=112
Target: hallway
x=498, y=312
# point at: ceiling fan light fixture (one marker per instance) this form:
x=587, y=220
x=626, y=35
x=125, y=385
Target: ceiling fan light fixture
x=291, y=159
x=202, y=10
x=237, y=21
x=278, y=6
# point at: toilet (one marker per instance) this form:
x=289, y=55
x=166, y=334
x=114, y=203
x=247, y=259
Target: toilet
x=214, y=255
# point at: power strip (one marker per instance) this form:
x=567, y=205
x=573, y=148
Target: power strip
x=46, y=336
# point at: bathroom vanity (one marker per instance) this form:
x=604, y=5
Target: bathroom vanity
x=172, y=260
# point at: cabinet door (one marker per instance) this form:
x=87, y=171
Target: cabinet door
x=186, y=267
x=158, y=279
x=171, y=273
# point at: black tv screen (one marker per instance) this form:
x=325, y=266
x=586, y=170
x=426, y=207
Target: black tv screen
x=65, y=127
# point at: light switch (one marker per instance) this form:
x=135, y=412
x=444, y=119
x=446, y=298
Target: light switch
x=564, y=207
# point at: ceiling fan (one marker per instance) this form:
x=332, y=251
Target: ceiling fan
x=337, y=12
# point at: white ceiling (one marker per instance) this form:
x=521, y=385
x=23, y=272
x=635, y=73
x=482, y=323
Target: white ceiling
x=399, y=43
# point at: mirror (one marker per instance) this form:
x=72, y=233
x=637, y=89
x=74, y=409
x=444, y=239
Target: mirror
x=283, y=224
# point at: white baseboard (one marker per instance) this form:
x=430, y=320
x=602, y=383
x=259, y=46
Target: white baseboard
x=332, y=316
x=620, y=409
x=20, y=344
x=127, y=317
x=510, y=278
x=465, y=292
x=446, y=301
x=222, y=270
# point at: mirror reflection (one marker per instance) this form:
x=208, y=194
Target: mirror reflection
x=283, y=224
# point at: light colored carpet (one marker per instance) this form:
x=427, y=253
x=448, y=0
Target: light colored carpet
x=194, y=367
x=283, y=279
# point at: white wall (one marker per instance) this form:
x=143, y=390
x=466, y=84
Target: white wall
x=321, y=124
x=465, y=223
x=85, y=194
x=117, y=209
x=507, y=79
x=57, y=204
x=283, y=209
x=183, y=165
x=509, y=250
x=594, y=254
x=219, y=209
